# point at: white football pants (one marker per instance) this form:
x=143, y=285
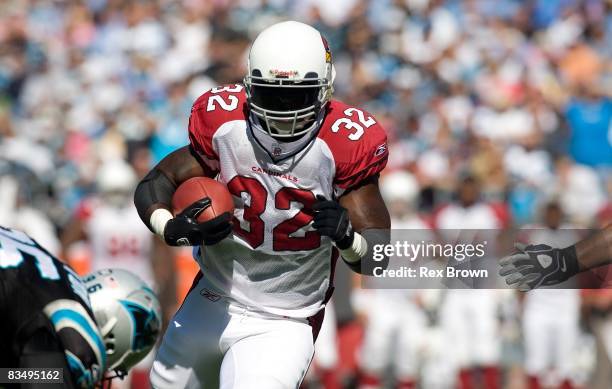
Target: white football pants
x=550, y=340
x=212, y=344
x=393, y=325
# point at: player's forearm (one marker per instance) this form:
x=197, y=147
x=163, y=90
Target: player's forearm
x=596, y=250
x=153, y=196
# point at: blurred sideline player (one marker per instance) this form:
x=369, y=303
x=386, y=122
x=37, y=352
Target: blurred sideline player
x=551, y=316
x=303, y=171
x=469, y=316
x=15, y=208
x=109, y=223
x=541, y=264
x=325, y=362
x=523, y=270
x=394, y=320
x=48, y=320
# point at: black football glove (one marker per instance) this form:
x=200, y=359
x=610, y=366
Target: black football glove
x=331, y=219
x=184, y=230
x=538, y=265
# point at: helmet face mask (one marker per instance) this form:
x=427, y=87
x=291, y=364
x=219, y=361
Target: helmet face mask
x=290, y=79
x=286, y=107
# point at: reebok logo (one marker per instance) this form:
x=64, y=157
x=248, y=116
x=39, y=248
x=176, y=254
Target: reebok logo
x=209, y=295
x=380, y=150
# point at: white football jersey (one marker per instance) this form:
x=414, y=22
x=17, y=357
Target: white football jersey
x=117, y=238
x=275, y=261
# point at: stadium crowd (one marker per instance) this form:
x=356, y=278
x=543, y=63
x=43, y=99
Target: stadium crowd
x=515, y=95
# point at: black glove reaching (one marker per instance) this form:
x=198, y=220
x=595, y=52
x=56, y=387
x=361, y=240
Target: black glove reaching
x=184, y=230
x=538, y=265
x=331, y=219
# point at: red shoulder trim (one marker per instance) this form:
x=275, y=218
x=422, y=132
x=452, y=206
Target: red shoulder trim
x=210, y=111
x=357, y=141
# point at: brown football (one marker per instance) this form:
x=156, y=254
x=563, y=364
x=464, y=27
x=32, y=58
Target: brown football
x=198, y=188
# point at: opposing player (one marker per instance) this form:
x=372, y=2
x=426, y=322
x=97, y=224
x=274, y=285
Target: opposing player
x=536, y=265
x=47, y=319
x=303, y=171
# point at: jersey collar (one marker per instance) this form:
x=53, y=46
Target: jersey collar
x=282, y=150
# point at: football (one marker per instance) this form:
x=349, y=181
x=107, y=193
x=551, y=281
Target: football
x=198, y=188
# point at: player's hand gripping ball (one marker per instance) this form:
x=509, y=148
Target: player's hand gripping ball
x=203, y=210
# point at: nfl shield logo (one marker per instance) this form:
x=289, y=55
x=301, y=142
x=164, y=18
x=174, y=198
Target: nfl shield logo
x=276, y=150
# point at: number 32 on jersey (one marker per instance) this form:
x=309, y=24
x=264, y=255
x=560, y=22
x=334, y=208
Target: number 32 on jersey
x=283, y=238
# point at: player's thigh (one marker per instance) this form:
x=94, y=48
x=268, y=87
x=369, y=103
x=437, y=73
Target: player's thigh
x=536, y=338
x=189, y=355
x=409, y=342
x=567, y=340
x=376, y=348
x=276, y=355
x=456, y=331
x=326, y=353
x=484, y=329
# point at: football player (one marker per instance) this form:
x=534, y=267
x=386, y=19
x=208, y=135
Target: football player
x=47, y=319
x=303, y=171
x=110, y=224
x=469, y=316
x=526, y=270
x=396, y=321
x=551, y=318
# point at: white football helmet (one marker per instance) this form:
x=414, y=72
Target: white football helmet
x=399, y=186
x=289, y=80
x=116, y=176
x=128, y=315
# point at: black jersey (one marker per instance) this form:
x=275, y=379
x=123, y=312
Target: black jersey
x=40, y=293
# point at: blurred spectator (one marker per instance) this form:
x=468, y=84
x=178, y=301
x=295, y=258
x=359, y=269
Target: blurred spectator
x=590, y=120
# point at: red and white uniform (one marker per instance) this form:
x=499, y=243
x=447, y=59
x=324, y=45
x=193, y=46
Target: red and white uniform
x=469, y=316
x=551, y=319
x=396, y=325
x=275, y=268
x=117, y=238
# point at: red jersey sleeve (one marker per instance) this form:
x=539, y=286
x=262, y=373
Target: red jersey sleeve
x=209, y=112
x=357, y=142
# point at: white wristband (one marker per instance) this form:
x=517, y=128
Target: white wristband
x=159, y=219
x=358, y=249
